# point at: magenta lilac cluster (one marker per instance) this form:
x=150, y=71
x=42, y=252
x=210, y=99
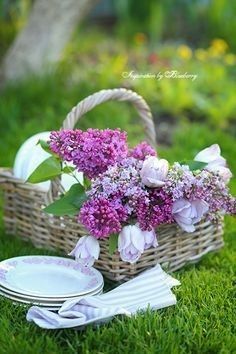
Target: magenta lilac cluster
x=91, y=151
x=142, y=150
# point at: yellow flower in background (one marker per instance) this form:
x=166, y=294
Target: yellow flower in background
x=230, y=59
x=201, y=54
x=118, y=64
x=218, y=47
x=184, y=52
x=140, y=38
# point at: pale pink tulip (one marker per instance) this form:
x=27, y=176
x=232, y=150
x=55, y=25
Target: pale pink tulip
x=215, y=162
x=187, y=213
x=154, y=172
x=150, y=239
x=131, y=243
x=86, y=250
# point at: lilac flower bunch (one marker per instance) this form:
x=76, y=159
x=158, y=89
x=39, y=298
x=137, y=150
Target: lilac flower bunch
x=207, y=186
x=142, y=150
x=132, y=192
x=91, y=151
x=121, y=190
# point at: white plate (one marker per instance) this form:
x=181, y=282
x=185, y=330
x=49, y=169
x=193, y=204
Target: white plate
x=49, y=277
x=33, y=302
x=46, y=299
x=30, y=156
x=25, y=151
x=36, y=302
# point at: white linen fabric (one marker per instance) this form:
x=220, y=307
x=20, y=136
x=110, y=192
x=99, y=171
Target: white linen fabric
x=152, y=289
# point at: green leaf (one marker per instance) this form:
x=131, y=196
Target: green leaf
x=48, y=169
x=68, y=169
x=87, y=183
x=113, y=243
x=45, y=146
x=70, y=203
x=194, y=165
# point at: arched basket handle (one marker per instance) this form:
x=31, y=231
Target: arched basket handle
x=118, y=94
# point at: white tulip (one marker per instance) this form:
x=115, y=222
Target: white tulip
x=215, y=162
x=154, y=172
x=86, y=250
x=131, y=243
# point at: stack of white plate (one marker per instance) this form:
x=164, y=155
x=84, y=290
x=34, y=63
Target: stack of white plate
x=30, y=155
x=47, y=281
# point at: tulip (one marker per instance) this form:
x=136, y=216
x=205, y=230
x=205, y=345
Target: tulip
x=150, y=239
x=86, y=250
x=187, y=213
x=131, y=243
x=154, y=172
x=224, y=173
x=215, y=162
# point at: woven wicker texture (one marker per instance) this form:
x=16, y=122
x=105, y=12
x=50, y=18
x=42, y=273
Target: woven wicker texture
x=23, y=215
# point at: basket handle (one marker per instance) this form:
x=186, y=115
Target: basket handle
x=118, y=94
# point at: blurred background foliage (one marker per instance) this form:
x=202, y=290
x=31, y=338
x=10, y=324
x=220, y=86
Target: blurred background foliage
x=189, y=36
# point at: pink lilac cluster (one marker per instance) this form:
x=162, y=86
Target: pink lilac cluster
x=204, y=185
x=91, y=151
x=142, y=150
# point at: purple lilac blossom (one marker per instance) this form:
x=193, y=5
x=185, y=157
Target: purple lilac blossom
x=210, y=187
x=179, y=180
x=63, y=142
x=205, y=185
x=142, y=150
x=117, y=193
x=121, y=182
x=101, y=218
x=91, y=151
x=156, y=210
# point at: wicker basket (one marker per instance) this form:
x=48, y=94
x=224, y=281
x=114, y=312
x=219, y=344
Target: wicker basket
x=23, y=215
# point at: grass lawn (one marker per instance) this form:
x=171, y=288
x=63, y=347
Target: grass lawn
x=203, y=321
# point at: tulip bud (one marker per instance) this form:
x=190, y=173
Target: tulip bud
x=131, y=243
x=215, y=162
x=154, y=172
x=86, y=250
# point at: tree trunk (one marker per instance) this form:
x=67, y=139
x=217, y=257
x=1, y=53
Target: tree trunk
x=41, y=42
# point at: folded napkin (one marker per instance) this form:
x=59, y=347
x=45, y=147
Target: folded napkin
x=152, y=288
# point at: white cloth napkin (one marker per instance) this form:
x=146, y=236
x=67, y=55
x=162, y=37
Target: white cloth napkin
x=152, y=288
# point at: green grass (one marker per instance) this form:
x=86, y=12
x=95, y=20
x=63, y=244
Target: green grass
x=203, y=321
